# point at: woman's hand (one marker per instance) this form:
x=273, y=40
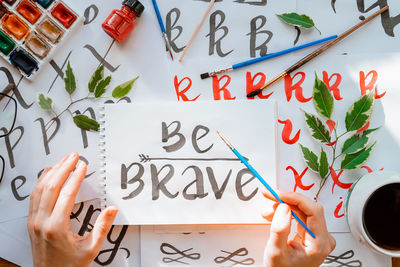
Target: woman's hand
x=51, y=203
x=303, y=250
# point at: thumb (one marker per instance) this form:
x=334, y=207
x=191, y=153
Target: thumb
x=101, y=228
x=280, y=227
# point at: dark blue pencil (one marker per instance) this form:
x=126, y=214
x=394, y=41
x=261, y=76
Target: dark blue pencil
x=164, y=32
x=269, y=56
x=256, y=174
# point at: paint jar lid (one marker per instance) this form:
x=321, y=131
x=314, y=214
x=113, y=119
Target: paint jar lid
x=135, y=5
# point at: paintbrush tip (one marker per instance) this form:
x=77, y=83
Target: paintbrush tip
x=254, y=93
x=205, y=76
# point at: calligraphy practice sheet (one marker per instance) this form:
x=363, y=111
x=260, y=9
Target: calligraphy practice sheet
x=165, y=164
x=234, y=31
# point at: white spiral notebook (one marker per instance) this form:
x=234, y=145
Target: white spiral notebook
x=163, y=163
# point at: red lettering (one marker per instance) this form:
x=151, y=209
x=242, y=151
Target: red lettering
x=336, y=181
x=290, y=87
x=181, y=93
x=369, y=170
x=331, y=125
x=298, y=178
x=365, y=127
x=334, y=88
x=217, y=89
x=366, y=88
x=287, y=131
x=250, y=86
x=338, y=208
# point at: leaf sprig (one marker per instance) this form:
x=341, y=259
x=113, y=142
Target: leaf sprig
x=295, y=19
x=356, y=149
x=97, y=87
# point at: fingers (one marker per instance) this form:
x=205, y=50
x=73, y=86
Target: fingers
x=52, y=183
x=269, y=214
x=305, y=204
x=36, y=194
x=280, y=227
x=101, y=228
x=66, y=199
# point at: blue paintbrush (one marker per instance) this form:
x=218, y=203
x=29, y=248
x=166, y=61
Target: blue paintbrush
x=269, y=56
x=256, y=174
x=164, y=32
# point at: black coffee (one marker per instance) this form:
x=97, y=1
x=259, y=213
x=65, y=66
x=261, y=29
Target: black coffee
x=382, y=217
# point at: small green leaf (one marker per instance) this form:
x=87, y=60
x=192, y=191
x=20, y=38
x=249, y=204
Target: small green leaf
x=357, y=142
x=360, y=112
x=311, y=158
x=322, y=98
x=295, y=19
x=317, y=128
x=323, y=164
x=86, y=123
x=124, y=89
x=45, y=103
x=97, y=76
x=353, y=161
x=102, y=87
x=69, y=80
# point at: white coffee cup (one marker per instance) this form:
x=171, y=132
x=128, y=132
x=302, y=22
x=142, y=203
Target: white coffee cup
x=357, y=198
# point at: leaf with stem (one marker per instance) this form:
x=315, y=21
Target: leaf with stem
x=86, y=123
x=310, y=158
x=317, y=128
x=102, y=87
x=323, y=164
x=97, y=76
x=357, y=142
x=322, y=98
x=355, y=160
x=360, y=112
x=295, y=19
x=69, y=80
x=45, y=103
x=124, y=89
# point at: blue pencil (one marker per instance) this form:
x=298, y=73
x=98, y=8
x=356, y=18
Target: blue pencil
x=247, y=164
x=164, y=32
x=266, y=57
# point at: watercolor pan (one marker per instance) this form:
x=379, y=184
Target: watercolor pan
x=32, y=30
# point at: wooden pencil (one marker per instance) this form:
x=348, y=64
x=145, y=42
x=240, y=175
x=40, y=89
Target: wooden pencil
x=196, y=31
x=317, y=52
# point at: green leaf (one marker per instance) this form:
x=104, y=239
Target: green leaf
x=323, y=164
x=124, y=89
x=360, y=112
x=317, y=128
x=102, y=87
x=311, y=158
x=45, y=103
x=322, y=98
x=97, y=76
x=86, y=123
x=353, y=161
x=69, y=80
x=295, y=19
x=357, y=142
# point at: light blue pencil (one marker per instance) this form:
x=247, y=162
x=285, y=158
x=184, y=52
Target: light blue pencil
x=266, y=57
x=247, y=164
x=164, y=32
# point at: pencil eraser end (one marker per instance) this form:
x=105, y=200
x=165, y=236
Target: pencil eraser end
x=205, y=76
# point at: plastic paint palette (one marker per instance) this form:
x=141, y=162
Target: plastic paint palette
x=30, y=31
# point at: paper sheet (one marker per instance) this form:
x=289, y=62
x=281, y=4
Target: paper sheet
x=165, y=163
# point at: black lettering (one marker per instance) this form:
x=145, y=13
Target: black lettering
x=166, y=136
x=158, y=185
x=87, y=13
x=256, y=30
x=240, y=185
x=136, y=179
x=114, y=250
x=218, y=191
x=14, y=187
x=10, y=147
x=46, y=139
x=215, y=45
x=196, y=138
x=171, y=26
x=198, y=182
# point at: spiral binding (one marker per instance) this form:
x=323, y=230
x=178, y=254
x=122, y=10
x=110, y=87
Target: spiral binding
x=102, y=147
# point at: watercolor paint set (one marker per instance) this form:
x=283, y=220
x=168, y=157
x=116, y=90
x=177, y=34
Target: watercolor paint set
x=31, y=31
